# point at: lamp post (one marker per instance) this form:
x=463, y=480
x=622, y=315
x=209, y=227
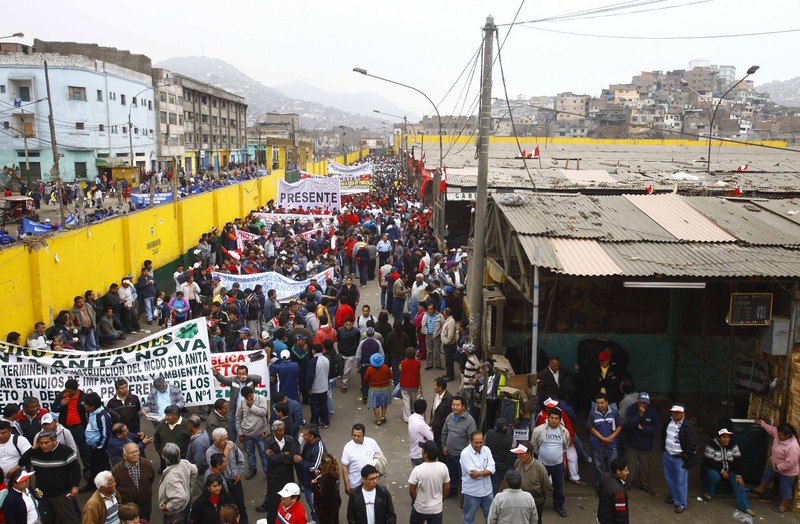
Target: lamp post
x=15, y=35
x=750, y=71
x=437, y=208
x=405, y=131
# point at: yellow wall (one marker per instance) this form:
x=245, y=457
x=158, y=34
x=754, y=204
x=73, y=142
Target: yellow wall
x=54, y=270
x=431, y=141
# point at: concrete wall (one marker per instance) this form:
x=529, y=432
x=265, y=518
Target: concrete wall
x=55, y=269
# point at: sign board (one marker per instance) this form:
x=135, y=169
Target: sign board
x=460, y=196
x=750, y=309
x=323, y=192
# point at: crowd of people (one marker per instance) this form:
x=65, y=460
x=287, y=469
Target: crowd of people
x=314, y=342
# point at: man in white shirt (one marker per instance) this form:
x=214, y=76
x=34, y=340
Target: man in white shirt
x=361, y=321
x=357, y=453
x=418, y=431
x=384, y=248
x=477, y=466
x=12, y=447
x=428, y=486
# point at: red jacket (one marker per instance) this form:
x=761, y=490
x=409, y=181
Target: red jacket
x=343, y=312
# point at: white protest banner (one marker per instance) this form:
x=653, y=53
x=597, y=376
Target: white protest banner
x=242, y=237
x=349, y=184
x=180, y=355
x=321, y=192
x=228, y=363
x=284, y=286
x=334, y=168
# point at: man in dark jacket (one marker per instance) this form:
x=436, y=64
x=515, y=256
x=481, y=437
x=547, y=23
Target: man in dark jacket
x=382, y=508
x=500, y=443
x=640, y=431
x=281, y=449
x=72, y=415
x=307, y=462
x=442, y=406
x=612, y=506
x=679, y=438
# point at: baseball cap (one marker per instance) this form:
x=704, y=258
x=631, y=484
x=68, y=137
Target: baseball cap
x=550, y=403
x=449, y=289
x=265, y=334
x=244, y=330
x=644, y=397
x=290, y=490
x=285, y=355
x=25, y=475
x=724, y=431
x=430, y=448
x=520, y=449
x=48, y=418
x=604, y=355
x=677, y=408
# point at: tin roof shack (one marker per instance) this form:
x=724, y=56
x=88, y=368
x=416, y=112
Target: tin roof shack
x=655, y=273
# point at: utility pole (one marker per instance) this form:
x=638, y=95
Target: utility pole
x=55, y=172
x=476, y=267
x=25, y=145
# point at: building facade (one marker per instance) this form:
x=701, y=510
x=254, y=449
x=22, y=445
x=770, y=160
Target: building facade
x=571, y=108
x=103, y=114
x=214, y=124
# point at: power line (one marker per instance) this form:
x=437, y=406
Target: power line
x=697, y=37
x=590, y=13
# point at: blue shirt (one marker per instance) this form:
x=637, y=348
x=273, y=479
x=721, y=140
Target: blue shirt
x=472, y=460
x=162, y=401
x=605, y=423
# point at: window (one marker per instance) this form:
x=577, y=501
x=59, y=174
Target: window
x=205, y=138
x=214, y=102
x=99, y=95
x=102, y=155
x=80, y=170
x=124, y=130
x=162, y=96
x=77, y=93
x=204, y=119
x=171, y=99
x=114, y=129
x=2, y=89
x=162, y=115
x=112, y=96
x=173, y=118
x=6, y=125
x=25, y=93
x=122, y=100
x=224, y=121
x=204, y=100
x=139, y=154
x=214, y=120
x=276, y=155
x=133, y=101
x=135, y=130
x=78, y=125
x=180, y=100
x=102, y=127
x=122, y=155
x=150, y=105
x=180, y=120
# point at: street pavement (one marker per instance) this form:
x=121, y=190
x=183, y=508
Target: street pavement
x=581, y=502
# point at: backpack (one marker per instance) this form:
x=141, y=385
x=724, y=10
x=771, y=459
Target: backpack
x=337, y=365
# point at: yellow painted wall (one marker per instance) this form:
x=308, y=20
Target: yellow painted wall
x=54, y=270
x=433, y=141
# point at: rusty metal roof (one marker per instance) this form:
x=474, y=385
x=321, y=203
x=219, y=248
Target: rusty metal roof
x=679, y=218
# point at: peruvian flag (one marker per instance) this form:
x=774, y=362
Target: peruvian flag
x=424, y=159
x=535, y=153
x=743, y=167
x=443, y=183
x=649, y=189
x=736, y=191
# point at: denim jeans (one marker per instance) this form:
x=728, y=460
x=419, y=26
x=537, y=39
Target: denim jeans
x=384, y=293
x=419, y=518
x=454, y=469
x=250, y=445
x=471, y=505
x=601, y=460
x=413, y=308
x=677, y=479
x=310, y=499
x=331, y=387
x=710, y=480
x=88, y=340
x=785, y=485
x=557, y=475
x=148, y=307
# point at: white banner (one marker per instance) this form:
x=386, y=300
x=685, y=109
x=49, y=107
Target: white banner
x=180, y=355
x=310, y=193
x=334, y=168
x=270, y=218
x=242, y=237
x=348, y=184
x=228, y=363
x=285, y=287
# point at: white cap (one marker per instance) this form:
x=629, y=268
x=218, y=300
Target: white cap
x=550, y=403
x=290, y=490
x=285, y=355
x=724, y=431
x=520, y=449
x=25, y=475
x=677, y=408
x=48, y=418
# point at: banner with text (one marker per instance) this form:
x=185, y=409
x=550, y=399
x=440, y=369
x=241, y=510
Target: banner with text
x=348, y=184
x=284, y=286
x=243, y=237
x=228, y=363
x=270, y=218
x=334, y=168
x=180, y=355
x=310, y=193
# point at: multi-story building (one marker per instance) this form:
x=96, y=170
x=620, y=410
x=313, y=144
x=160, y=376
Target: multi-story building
x=215, y=125
x=170, y=133
x=726, y=76
x=104, y=116
x=572, y=108
x=701, y=79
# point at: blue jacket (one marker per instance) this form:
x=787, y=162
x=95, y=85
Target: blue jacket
x=98, y=428
x=605, y=425
x=640, y=439
x=289, y=375
x=312, y=457
x=14, y=508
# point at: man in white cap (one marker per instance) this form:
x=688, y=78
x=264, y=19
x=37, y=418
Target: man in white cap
x=535, y=479
x=679, y=439
x=50, y=423
x=290, y=510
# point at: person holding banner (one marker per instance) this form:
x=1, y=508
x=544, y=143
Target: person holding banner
x=252, y=425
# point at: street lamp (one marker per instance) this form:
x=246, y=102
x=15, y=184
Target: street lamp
x=15, y=35
x=437, y=211
x=750, y=71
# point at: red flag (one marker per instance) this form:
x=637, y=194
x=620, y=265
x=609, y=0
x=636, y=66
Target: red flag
x=424, y=158
x=736, y=191
x=523, y=153
x=536, y=152
x=742, y=167
x=443, y=183
x=649, y=189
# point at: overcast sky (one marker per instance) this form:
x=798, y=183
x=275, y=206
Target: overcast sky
x=426, y=43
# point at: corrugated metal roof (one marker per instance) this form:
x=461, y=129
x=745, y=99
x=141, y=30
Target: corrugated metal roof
x=611, y=218
x=588, y=176
x=583, y=257
x=787, y=208
x=645, y=259
x=539, y=251
x=747, y=221
x=679, y=218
